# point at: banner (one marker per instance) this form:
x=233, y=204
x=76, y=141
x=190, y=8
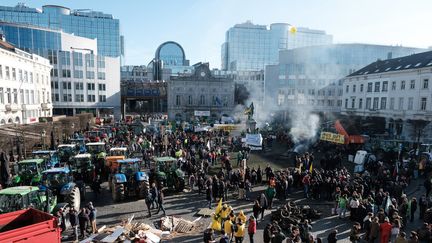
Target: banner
x=225, y=127
x=201, y=113
x=254, y=139
x=332, y=137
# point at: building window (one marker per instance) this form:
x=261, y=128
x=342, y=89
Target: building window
x=90, y=75
x=1, y=96
x=393, y=85
x=178, y=100
x=369, y=88
x=202, y=100
x=385, y=86
x=354, y=88
x=412, y=84
x=402, y=84
x=7, y=72
x=101, y=75
x=102, y=87
x=27, y=97
x=26, y=76
x=79, y=86
x=383, y=103
x=190, y=101
x=78, y=74
x=392, y=103
x=347, y=89
x=361, y=87
x=67, y=85
x=90, y=86
x=56, y=97
x=423, y=103
x=13, y=74
x=360, y=103
x=66, y=73
x=339, y=103
x=15, y=96
x=410, y=103
x=377, y=87
x=77, y=59
x=368, y=103
x=425, y=83
x=65, y=58
x=102, y=98
x=352, y=103
x=375, y=103
x=67, y=98
x=401, y=103
x=20, y=75
x=89, y=60
x=100, y=62
x=79, y=98
x=31, y=77
x=91, y=98
x=346, y=103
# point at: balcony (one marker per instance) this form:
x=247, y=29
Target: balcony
x=46, y=106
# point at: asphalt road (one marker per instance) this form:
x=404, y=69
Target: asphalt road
x=187, y=204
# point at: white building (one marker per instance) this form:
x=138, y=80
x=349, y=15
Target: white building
x=398, y=90
x=24, y=86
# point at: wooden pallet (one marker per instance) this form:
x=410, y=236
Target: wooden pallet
x=206, y=212
x=183, y=226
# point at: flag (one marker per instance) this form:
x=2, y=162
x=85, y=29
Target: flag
x=311, y=167
x=208, y=145
x=387, y=205
x=219, y=206
x=179, y=153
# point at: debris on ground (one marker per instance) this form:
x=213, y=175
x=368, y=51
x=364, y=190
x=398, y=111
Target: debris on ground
x=129, y=231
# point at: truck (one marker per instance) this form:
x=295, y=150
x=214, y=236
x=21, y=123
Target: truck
x=21, y=197
x=364, y=160
x=29, y=225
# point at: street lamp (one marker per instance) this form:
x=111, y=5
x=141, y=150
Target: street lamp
x=43, y=135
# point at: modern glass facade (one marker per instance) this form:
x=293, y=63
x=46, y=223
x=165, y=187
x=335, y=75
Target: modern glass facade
x=87, y=24
x=251, y=47
x=171, y=54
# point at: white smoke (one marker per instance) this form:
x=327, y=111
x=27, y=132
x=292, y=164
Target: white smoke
x=304, y=126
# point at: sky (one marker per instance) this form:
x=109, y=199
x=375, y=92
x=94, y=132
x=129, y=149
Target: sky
x=199, y=26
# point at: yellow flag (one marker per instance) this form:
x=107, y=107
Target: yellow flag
x=311, y=167
x=219, y=206
x=293, y=30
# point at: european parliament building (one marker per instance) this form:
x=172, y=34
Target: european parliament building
x=84, y=47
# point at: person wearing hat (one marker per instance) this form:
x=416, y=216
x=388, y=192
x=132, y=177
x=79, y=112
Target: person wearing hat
x=413, y=237
x=385, y=230
x=251, y=228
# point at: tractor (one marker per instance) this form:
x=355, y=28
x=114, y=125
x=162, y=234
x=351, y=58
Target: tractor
x=60, y=181
x=29, y=172
x=128, y=180
x=21, y=197
x=80, y=143
x=66, y=152
x=98, y=154
x=167, y=174
x=83, y=169
x=50, y=156
x=114, y=155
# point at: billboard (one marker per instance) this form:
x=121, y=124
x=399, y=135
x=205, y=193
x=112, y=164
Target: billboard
x=201, y=113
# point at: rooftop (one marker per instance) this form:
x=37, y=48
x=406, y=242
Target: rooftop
x=415, y=61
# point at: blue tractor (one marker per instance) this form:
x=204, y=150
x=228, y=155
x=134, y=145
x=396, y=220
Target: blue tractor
x=128, y=180
x=60, y=181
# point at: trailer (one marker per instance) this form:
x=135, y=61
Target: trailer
x=29, y=225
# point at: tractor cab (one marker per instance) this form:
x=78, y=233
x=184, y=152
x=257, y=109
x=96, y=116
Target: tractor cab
x=80, y=143
x=114, y=155
x=66, y=151
x=98, y=155
x=82, y=168
x=29, y=172
x=167, y=174
x=61, y=182
x=50, y=156
x=22, y=197
x=128, y=180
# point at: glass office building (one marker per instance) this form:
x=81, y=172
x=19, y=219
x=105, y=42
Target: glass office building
x=250, y=47
x=84, y=23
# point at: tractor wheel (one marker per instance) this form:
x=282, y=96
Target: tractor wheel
x=118, y=192
x=74, y=198
x=143, y=189
x=179, y=184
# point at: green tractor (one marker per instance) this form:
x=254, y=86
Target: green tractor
x=129, y=180
x=60, y=182
x=83, y=169
x=166, y=173
x=29, y=172
x=21, y=197
x=98, y=155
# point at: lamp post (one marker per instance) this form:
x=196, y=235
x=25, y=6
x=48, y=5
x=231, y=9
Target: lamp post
x=43, y=135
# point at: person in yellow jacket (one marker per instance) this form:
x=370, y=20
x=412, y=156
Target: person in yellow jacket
x=215, y=223
x=242, y=217
x=225, y=212
x=239, y=231
x=228, y=228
